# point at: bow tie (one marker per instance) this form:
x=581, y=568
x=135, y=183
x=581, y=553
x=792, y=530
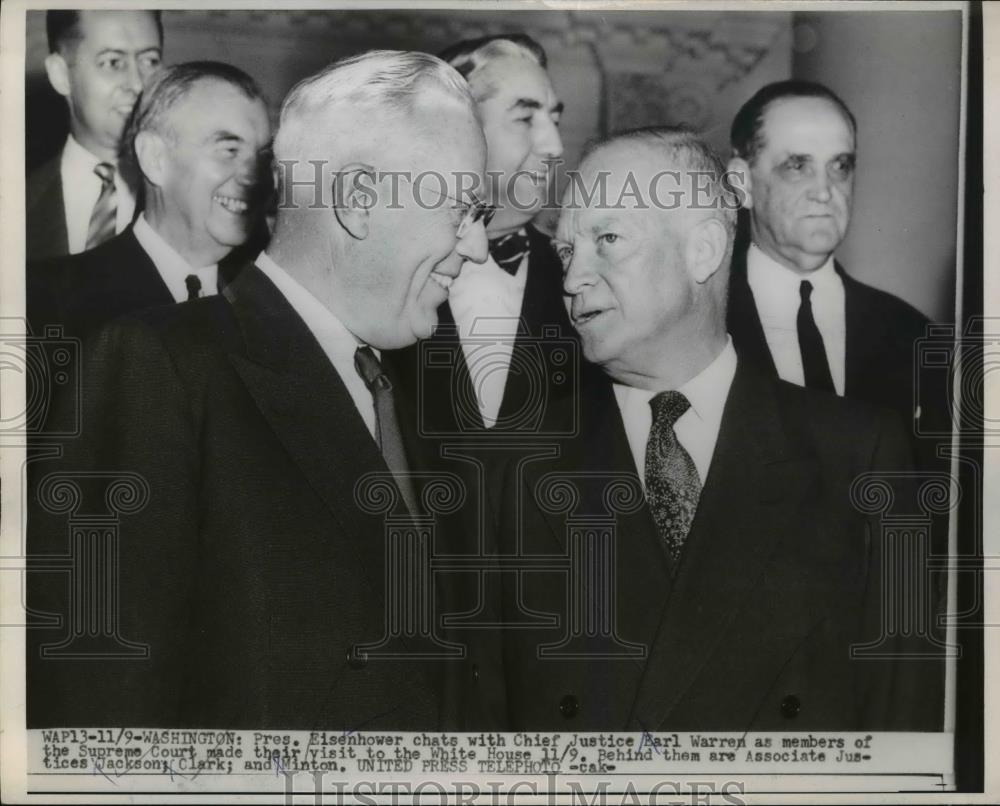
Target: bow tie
x=508, y=250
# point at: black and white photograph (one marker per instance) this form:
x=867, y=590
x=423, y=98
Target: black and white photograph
x=494, y=402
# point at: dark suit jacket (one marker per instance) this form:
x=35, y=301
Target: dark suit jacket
x=86, y=291
x=879, y=354
x=45, y=213
x=252, y=571
x=779, y=576
x=83, y=292
x=542, y=369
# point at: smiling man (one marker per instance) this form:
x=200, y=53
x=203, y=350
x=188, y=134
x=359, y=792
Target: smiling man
x=793, y=309
x=257, y=570
x=99, y=62
x=199, y=144
x=725, y=591
x=514, y=298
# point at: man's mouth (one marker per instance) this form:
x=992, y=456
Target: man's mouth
x=588, y=316
x=443, y=280
x=232, y=204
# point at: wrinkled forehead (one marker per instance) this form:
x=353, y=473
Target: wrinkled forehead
x=510, y=77
x=807, y=125
x=121, y=30
x=625, y=178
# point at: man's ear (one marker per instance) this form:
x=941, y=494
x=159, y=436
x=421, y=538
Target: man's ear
x=151, y=154
x=706, y=249
x=353, y=198
x=58, y=72
x=738, y=174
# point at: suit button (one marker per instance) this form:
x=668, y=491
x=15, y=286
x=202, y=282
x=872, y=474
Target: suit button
x=356, y=659
x=569, y=706
x=475, y=671
x=790, y=706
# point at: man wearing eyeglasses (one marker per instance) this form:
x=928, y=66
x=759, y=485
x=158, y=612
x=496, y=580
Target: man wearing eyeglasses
x=255, y=576
x=504, y=316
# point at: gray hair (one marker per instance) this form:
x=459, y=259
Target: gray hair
x=167, y=88
x=684, y=150
x=471, y=55
x=389, y=83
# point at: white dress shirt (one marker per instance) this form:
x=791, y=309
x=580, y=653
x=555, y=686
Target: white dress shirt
x=172, y=267
x=697, y=429
x=81, y=188
x=776, y=294
x=486, y=303
x=336, y=341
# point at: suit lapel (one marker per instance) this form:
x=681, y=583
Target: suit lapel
x=137, y=283
x=643, y=569
x=753, y=487
x=743, y=321
x=305, y=402
x=46, y=212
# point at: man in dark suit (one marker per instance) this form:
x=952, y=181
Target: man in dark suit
x=504, y=319
x=793, y=310
x=693, y=560
x=256, y=574
x=199, y=143
x=99, y=61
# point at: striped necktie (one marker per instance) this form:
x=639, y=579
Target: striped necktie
x=105, y=212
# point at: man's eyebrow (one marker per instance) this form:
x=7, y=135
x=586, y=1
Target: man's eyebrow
x=114, y=51
x=526, y=103
x=221, y=135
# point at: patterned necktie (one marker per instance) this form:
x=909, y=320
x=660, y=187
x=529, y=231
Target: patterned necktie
x=389, y=436
x=508, y=250
x=105, y=213
x=672, y=483
x=815, y=367
x=193, y=283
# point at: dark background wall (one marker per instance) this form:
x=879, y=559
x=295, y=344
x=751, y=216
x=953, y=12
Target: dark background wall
x=899, y=71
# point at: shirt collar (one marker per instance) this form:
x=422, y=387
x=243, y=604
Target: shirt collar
x=706, y=392
x=76, y=158
x=331, y=333
x=776, y=285
x=173, y=268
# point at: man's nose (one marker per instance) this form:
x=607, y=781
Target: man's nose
x=548, y=143
x=133, y=77
x=472, y=245
x=820, y=188
x=578, y=274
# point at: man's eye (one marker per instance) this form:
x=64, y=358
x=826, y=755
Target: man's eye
x=112, y=64
x=843, y=167
x=565, y=254
x=608, y=238
x=150, y=62
x=795, y=163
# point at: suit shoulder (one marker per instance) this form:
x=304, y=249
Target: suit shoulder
x=834, y=423
x=42, y=181
x=888, y=306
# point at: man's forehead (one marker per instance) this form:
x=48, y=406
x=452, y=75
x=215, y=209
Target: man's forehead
x=118, y=29
x=516, y=78
x=807, y=125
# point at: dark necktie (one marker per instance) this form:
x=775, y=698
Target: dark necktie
x=105, y=212
x=672, y=483
x=389, y=437
x=815, y=367
x=508, y=250
x=193, y=283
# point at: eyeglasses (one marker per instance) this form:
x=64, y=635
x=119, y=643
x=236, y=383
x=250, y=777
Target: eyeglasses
x=474, y=211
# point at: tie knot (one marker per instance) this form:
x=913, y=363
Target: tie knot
x=106, y=171
x=193, y=283
x=668, y=407
x=805, y=290
x=508, y=250
x=370, y=369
